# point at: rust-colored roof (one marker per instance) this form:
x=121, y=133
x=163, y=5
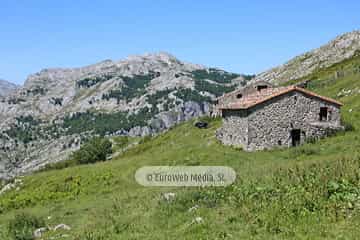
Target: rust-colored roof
x=264, y=95
x=230, y=93
x=239, y=90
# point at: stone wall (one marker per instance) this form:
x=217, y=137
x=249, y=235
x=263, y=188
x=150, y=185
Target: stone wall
x=269, y=124
x=234, y=130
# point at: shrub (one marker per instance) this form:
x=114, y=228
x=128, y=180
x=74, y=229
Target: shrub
x=216, y=89
x=105, y=123
x=158, y=97
x=121, y=141
x=91, y=81
x=23, y=225
x=215, y=75
x=347, y=125
x=97, y=149
x=21, y=133
x=145, y=139
x=134, y=87
x=191, y=95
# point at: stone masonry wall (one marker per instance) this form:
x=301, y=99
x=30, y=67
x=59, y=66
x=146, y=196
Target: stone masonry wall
x=234, y=130
x=270, y=123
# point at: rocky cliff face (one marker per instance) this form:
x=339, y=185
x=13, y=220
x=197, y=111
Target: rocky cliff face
x=6, y=88
x=337, y=50
x=57, y=109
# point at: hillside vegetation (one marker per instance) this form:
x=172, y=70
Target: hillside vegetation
x=307, y=192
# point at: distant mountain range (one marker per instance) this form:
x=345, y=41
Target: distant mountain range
x=57, y=109
x=6, y=88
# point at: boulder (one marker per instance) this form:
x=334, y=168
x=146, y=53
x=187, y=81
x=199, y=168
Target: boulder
x=169, y=196
x=62, y=226
x=38, y=233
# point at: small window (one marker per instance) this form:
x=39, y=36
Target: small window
x=261, y=87
x=295, y=98
x=238, y=96
x=323, y=114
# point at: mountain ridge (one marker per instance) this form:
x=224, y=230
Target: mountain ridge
x=137, y=96
x=336, y=50
x=7, y=87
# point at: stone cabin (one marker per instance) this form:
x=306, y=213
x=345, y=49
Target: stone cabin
x=267, y=117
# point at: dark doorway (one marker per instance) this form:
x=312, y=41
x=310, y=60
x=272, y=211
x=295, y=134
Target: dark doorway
x=323, y=113
x=295, y=137
x=239, y=96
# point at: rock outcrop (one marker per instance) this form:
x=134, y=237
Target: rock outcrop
x=6, y=88
x=337, y=50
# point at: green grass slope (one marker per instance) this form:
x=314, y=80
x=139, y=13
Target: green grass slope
x=308, y=192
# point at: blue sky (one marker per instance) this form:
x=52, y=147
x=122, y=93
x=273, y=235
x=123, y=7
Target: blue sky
x=238, y=36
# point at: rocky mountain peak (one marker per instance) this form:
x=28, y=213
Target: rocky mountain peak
x=132, y=65
x=158, y=56
x=346, y=40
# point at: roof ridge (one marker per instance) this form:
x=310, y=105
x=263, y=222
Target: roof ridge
x=318, y=95
x=273, y=92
